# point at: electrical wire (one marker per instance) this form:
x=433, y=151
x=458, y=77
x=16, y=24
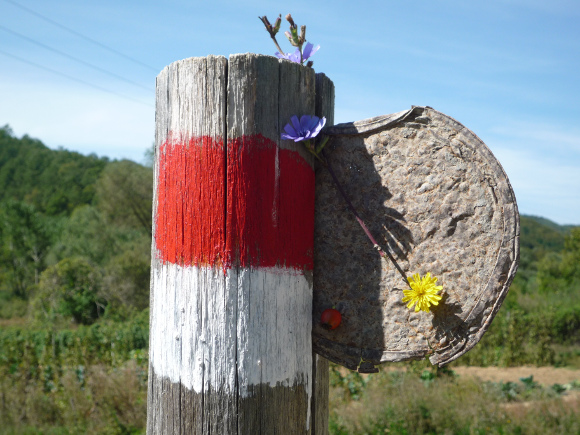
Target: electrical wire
x=74, y=78
x=80, y=35
x=76, y=59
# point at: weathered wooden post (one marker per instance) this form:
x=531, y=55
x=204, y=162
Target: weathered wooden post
x=231, y=287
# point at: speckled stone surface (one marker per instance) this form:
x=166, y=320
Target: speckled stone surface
x=432, y=193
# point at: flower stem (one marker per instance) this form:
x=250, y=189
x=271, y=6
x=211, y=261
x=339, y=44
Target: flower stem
x=360, y=221
x=272, y=31
x=277, y=46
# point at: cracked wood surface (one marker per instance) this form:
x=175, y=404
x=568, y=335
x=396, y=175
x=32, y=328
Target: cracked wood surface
x=432, y=193
x=230, y=343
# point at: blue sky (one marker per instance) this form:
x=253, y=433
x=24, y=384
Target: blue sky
x=506, y=69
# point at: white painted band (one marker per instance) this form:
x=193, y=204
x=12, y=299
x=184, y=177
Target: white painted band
x=209, y=328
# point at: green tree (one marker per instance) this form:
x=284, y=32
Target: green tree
x=25, y=238
x=127, y=275
x=125, y=193
x=54, y=181
x=88, y=235
x=69, y=290
x=561, y=272
x=571, y=256
x=122, y=254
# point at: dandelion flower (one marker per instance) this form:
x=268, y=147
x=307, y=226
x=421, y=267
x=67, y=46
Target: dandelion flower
x=423, y=292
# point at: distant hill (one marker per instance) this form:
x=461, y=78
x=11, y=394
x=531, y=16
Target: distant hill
x=548, y=223
x=54, y=181
x=541, y=232
x=538, y=237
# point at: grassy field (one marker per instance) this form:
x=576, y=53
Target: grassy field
x=416, y=399
x=402, y=399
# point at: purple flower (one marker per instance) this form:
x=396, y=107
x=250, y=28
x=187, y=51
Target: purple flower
x=293, y=57
x=307, y=128
x=309, y=51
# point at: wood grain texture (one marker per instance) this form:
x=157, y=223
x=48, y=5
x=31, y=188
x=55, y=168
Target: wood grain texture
x=230, y=347
x=324, y=106
x=191, y=103
x=433, y=194
x=263, y=93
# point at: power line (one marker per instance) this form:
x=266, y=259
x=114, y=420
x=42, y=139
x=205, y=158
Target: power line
x=76, y=59
x=80, y=35
x=74, y=78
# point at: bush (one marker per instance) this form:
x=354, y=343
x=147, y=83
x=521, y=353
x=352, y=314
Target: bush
x=68, y=290
x=85, y=400
x=46, y=353
x=404, y=402
x=566, y=325
x=92, y=379
x=514, y=338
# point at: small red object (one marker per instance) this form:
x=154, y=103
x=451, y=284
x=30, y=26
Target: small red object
x=330, y=318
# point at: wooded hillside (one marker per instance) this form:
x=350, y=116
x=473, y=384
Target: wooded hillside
x=74, y=233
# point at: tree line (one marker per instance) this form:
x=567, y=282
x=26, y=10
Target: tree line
x=75, y=234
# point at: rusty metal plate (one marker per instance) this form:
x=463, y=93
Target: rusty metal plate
x=432, y=193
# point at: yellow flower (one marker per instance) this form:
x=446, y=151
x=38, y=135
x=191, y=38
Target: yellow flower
x=423, y=292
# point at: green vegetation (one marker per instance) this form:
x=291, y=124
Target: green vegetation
x=74, y=290
x=420, y=400
x=74, y=294
x=75, y=235
x=86, y=400
x=53, y=182
x=539, y=322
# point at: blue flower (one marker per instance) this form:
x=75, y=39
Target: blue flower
x=293, y=57
x=304, y=129
x=309, y=51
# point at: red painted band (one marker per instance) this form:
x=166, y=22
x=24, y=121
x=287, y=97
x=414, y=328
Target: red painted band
x=191, y=220
x=270, y=205
x=262, y=216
